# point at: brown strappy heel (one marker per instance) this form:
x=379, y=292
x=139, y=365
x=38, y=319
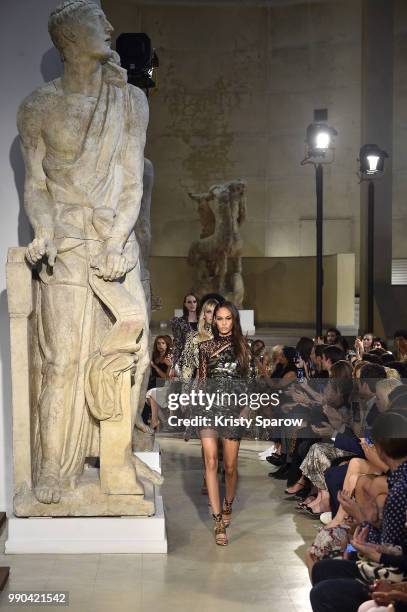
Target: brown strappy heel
x=227, y=511
x=220, y=530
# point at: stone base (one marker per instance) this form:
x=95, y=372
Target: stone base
x=88, y=535
x=87, y=499
x=247, y=322
x=151, y=458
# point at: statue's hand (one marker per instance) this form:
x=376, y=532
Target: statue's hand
x=39, y=248
x=110, y=263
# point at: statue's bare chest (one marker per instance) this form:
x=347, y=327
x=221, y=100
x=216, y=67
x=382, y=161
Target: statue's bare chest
x=67, y=123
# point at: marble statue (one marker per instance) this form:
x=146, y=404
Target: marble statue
x=143, y=231
x=217, y=255
x=83, y=138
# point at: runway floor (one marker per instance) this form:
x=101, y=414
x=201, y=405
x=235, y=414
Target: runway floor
x=262, y=569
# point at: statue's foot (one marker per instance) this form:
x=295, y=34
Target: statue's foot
x=48, y=489
x=141, y=426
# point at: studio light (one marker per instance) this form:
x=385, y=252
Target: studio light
x=320, y=149
x=371, y=160
x=371, y=166
x=139, y=59
x=319, y=140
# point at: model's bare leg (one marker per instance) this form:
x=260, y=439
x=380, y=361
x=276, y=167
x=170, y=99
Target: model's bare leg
x=210, y=449
x=61, y=346
x=230, y=455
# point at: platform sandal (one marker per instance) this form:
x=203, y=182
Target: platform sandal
x=220, y=530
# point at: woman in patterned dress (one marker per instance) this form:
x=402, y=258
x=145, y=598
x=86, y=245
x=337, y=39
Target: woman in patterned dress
x=181, y=326
x=226, y=366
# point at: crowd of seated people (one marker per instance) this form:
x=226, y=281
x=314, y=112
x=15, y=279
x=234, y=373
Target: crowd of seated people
x=346, y=465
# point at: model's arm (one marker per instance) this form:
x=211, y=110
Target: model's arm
x=203, y=365
x=37, y=202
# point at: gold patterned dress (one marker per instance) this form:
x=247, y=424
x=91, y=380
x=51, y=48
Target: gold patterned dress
x=226, y=387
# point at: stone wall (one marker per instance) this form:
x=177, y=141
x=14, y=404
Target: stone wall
x=400, y=131
x=280, y=290
x=237, y=86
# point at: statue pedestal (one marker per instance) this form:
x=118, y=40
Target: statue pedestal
x=151, y=458
x=102, y=534
x=90, y=535
x=247, y=322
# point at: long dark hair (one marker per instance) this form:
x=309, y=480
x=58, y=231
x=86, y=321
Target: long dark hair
x=239, y=342
x=156, y=354
x=185, y=310
x=304, y=347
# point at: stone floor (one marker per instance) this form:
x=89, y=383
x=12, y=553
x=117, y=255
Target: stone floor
x=261, y=569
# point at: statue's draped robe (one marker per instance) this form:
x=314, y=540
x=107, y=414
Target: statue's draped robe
x=86, y=191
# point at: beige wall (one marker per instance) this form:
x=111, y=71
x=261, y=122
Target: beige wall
x=400, y=132
x=237, y=88
x=237, y=85
x=281, y=290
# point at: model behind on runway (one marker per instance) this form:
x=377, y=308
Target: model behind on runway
x=225, y=367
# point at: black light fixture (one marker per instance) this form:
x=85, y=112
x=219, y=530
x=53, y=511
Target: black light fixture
x=139, y=59
x=320, y=139
x=371, y=160
x=319, y=151
x=371, y=166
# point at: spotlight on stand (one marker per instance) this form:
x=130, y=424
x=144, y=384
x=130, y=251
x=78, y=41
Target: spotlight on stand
x=139, y=59
x=319, y=151
x=320, y=139
x=371, y=161
x=371, y=166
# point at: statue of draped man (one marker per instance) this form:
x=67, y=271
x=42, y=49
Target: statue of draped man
x=83, y=138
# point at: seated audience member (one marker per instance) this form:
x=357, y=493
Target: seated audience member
x=400, y=344
x=368, y=375
x=372, y=358
x=371, y=464
x=304, y=348
x=160, y=366
x=258, y=348
x=316, y=370
x=330, y=355
x=335, y=414
x=332, y=336
x=387, y=358
x=364, y=344
x=397, y=392
x=400, y=366
x=308, y=394
x=343, y=585
x=378, y=343
x=284, y=375
x=392, y=373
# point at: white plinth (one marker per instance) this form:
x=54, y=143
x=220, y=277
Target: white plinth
x=151, y=458
x=139, y=534
x=246, y=320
